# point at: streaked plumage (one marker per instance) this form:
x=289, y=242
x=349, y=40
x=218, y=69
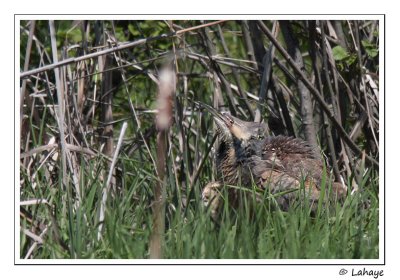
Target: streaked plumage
x=275, y=163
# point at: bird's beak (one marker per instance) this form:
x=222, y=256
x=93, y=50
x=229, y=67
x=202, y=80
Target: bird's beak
x=230, y=124
x=223, y=119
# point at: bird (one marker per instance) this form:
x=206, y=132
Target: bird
x=281, y=165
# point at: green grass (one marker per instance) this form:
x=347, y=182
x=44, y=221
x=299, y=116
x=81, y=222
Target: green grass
x=335, y=231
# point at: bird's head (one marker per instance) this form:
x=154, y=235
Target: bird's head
x=234, y=130
x=242, y=130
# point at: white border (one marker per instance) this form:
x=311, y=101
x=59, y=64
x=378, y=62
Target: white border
x=195, y=16
x=201, y=261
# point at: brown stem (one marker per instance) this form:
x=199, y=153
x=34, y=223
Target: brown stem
x=306, y=108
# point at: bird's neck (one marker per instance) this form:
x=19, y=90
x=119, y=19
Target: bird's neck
x=227, y=163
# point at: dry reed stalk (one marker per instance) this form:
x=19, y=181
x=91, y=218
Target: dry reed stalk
x=50, y=146
x=26, y=66
x=60, y=97
x=106, y=188
x=167, y=87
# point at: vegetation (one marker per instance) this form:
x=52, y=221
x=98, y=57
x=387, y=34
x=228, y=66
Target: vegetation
x=82, y=80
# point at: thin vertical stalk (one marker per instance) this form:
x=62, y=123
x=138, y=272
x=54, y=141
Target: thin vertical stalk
x=26, y=66
x=285, y=111
x=266, y=79
x=362, y=80
x=327, y=125
x=106, y=188
x=167, y=88
x=60, y=98
x=306, y=108
x=217, y=74
x=326, y=72
x=247, y=41
x=157, y=234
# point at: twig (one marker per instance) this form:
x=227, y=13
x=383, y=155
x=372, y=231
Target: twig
x=34, y=201
x=106, y=188
x=199, y=26
x=47, y=147
x=37, y=240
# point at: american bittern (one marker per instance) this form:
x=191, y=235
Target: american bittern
x=279, y=164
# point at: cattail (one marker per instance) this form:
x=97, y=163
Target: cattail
x=167, y=86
